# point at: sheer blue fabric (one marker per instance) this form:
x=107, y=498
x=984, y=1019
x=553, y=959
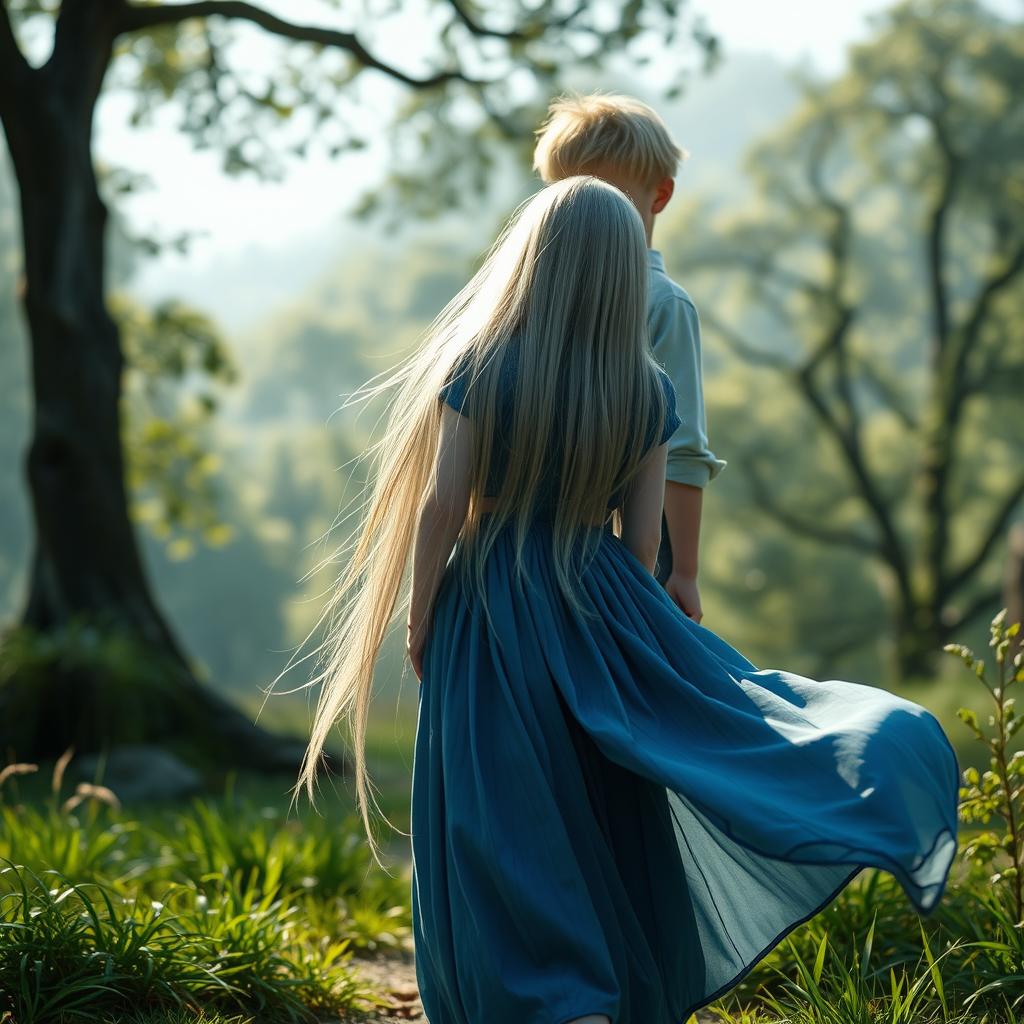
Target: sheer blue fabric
x=617, y=812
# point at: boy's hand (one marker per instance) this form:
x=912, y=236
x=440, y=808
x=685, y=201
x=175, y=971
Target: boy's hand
x=683, y=590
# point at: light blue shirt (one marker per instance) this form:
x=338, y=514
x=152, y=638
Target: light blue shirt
x=675, y=338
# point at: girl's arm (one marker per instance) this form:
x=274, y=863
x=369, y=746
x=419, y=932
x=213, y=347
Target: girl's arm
x=441, y=515
x=642, y=509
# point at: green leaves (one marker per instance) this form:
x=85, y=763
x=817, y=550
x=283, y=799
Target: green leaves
x=178, y=366
x=997, y=792
x=970, y=719
x=824, y=275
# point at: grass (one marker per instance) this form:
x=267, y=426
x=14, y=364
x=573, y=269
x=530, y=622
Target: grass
x=869, y=959
x=228, y=907
x=230, y=910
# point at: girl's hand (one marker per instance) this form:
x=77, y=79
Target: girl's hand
x=415, y=643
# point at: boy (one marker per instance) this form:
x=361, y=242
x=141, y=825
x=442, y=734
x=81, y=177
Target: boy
x=626, y=143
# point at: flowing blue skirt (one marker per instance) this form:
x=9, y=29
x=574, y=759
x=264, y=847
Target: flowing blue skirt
x=618, y=813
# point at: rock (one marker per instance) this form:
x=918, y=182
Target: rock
x=139, y=773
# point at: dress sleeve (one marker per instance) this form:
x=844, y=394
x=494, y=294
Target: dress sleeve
x=672, y=420
x=454, y=391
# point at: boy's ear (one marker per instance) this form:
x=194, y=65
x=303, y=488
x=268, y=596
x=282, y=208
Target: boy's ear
x=662, y=194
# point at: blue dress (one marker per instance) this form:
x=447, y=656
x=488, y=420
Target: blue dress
x=620, y=814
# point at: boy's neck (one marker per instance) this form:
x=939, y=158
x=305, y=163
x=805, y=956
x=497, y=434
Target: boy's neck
x=650, y=233
x=643, y=195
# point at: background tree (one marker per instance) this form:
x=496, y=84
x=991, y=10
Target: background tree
x=883, y=258
x=1013, y=589
x=484, y=65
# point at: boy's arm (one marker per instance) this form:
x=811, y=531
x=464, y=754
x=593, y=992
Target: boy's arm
x=675, y=337
x=682, y=516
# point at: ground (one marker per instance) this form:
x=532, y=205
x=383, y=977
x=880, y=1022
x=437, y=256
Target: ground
x=393, y=976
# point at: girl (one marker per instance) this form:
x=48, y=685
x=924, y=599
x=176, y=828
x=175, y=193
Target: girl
x=615, y=815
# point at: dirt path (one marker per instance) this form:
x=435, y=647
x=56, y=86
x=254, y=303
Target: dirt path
x=393, y=977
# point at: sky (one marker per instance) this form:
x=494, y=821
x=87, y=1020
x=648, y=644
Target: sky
x=191, y=193
x=239, y=221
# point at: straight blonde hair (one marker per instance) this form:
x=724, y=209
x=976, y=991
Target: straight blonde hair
x=567, y=279
x=584, y=132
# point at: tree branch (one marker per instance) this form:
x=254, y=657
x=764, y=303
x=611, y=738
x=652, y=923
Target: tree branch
x=135, y=18
x=888, y=392
x=812, y=528
x=841, y=419
x=890, y=548
x=761, y=264
x=839, y=247
x=831, y=645
x=986, y=599
x=991, y=536
x=987, y=294
x=804, y=375
x=992, y=287
x=953, y=388
x=16, y=78
x=847, y=435
x=936, y=263
x=744, y=348
x=524, y=34
x=13, y=66
x=936, y=238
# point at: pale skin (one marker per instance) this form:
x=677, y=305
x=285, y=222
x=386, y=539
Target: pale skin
x=442, y=513
x=683, y=502
x=446, y=502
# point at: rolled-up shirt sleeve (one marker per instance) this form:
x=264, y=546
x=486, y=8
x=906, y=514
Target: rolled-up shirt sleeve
x=675, y=338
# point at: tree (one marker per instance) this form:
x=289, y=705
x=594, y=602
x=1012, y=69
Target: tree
x=1013, y=589
x=884, y=255
x=488, y=64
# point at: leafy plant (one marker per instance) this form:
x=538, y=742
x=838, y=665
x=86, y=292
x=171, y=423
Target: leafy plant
x=998, y=791
x=839, y=989
x=76, y=951
x=994, y=968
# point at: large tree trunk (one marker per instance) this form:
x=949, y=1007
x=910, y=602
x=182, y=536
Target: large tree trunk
x=85, y=563
x=85, y=558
